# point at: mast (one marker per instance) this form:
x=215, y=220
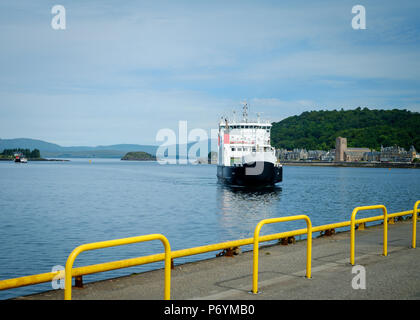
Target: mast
x=245, y=111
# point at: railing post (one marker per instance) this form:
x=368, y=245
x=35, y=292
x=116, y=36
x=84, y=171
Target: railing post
x=256, y=243
x=415, y=209
x=352, y=229
x=118, y=242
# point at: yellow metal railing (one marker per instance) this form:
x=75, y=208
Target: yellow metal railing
x=256, y=243
x=108, y=266
x=113, y=243
x=353, y=227
x=415, y=210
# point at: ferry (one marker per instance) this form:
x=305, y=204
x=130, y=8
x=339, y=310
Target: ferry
x=245, y=155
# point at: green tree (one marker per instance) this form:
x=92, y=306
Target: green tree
x=361, y=126
x=35, y=154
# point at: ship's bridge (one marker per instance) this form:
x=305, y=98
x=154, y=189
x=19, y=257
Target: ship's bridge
x=240, y=140
x=247, y=134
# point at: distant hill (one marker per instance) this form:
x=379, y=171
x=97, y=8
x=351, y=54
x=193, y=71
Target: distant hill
x=25, y=143
x=51, y=150
x=317, y=130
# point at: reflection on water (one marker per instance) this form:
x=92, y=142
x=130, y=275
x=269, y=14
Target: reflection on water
x=241, y=208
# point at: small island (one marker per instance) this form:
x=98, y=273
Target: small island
x=34, y=155
x=139, y=156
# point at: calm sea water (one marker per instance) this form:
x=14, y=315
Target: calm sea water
x=49, y=208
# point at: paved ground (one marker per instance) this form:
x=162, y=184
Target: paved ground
x=282, y=270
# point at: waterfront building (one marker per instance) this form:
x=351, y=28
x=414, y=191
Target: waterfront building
x=396, y=154
x=298, y=154
x=340, y=148
x=355, y=154
x=343, y=153
x=329, y=156
x=372, y=156
x=294, y=155
x=413, y=153
x=303, y=154
x=281, y=154
x=316, y=155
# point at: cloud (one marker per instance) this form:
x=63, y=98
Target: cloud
x=321, y=64
x=122, y=71
x=94, y=119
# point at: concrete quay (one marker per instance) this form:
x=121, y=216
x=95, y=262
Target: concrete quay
x=281, y=273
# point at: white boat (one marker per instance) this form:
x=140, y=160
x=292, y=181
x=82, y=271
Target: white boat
x=20, y=158
x=245, y=155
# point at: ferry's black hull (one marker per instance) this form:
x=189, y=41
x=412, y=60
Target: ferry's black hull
x=256, y=174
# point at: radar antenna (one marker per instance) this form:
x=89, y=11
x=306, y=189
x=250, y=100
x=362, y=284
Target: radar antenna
x=245, y=111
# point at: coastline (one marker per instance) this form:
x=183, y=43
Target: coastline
x=353, y=164
x=37, y=159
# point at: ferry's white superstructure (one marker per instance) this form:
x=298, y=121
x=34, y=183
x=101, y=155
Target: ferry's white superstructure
x=245, y=154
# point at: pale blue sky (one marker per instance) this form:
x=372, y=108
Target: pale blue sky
x=122, y=70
